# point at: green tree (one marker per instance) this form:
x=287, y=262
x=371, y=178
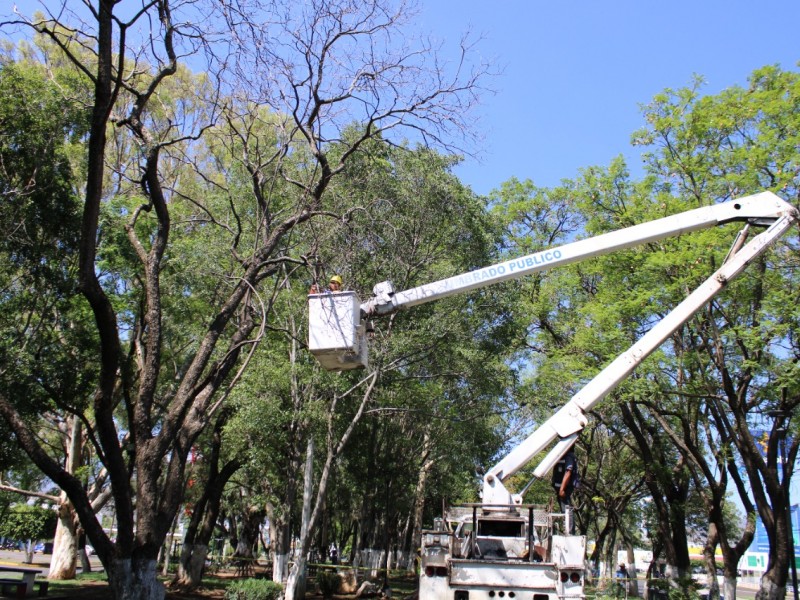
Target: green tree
x=45, y=343
x=690, y=409
x=572, y=334
x=426, y=363
x=743, y=355
x=28, y=523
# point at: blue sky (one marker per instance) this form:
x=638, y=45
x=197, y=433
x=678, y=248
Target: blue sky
x=574, y=74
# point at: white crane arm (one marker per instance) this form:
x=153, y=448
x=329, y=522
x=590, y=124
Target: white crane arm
x=565, y=425
x=337, y=332
x=764, y=207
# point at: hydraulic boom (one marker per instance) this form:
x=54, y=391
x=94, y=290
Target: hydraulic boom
x=565, y=425
x=501, y=547
x=336, y=321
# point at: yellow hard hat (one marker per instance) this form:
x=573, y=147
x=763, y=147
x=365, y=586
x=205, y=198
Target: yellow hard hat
x=336, y=279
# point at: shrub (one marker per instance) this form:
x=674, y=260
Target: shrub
x=328, y=582
x=253, y=589
x=673, y=589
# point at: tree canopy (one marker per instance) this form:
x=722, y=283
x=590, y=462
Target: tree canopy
x=163, y=226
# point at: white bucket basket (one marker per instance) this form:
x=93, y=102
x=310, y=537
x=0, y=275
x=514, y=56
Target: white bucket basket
x=336, y=334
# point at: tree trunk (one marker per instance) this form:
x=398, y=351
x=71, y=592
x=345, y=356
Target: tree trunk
x=728, y=587
x=248, y=534
x=633, y=581
x=281, y=520
x=296, y=582
x=769, y=589
x=204, y=516
x=709, y=558
x=194, y=552
x=168, y=548
x=190, y=565
x=279, y=534
x=610, y=558
x=405, y=541
x=367, y=514
x=419, y=498
x=387, y=548
x=64, y=562
x=86, y=566
x=599, y=547
x=296, y=579
x=774, y=580
x=28, y=552
x=668, y=489
x=135, y=579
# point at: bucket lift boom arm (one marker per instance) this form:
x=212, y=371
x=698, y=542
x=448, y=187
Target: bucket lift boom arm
x=565, y=425
x=763, y=209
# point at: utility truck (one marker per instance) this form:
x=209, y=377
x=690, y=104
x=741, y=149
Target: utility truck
x=502, y=548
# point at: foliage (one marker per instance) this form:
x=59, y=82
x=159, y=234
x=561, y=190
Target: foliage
x=39, y=128
x=328, y=582
x=25, y=522
x=733, y=358
x=253, y=589
x=39, y=131
x=684, y=588
x=442, y=370
x=735, y=364
x=47, y=351
x=208, y=218
x=196, y=208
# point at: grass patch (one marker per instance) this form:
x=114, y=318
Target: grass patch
x=403, y=584
x=213, y=582
x=253, y=589
x=64, y=586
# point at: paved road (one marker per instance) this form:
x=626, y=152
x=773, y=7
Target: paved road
x=40, y=561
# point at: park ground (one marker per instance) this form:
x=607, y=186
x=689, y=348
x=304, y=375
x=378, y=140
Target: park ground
x=93, y=586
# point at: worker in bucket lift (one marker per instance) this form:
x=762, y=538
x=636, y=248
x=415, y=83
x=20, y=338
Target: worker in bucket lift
x=334, y=285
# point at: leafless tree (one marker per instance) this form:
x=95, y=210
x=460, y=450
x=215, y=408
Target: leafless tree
x=319, y=66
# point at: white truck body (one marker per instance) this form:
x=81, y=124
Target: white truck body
x=503, y=556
